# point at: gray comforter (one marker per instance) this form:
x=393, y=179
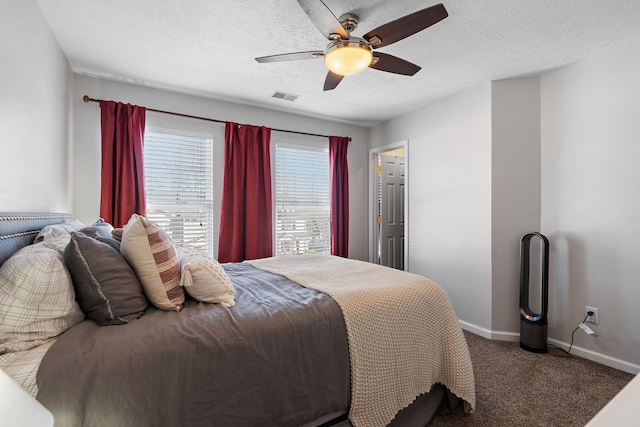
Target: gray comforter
x=279, y=357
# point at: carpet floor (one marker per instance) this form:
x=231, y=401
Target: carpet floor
x=515, y=387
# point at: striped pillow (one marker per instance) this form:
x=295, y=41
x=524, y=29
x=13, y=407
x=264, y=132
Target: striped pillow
x=151, y=254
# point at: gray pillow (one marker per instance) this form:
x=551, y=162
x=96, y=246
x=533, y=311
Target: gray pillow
x=107, y=289
x=98, y=228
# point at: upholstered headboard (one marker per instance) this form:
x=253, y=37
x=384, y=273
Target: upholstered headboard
x=18, y=229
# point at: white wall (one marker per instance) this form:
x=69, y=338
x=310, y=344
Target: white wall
x=35, y=113
x=515, y=196
x=591, y=201
x=557, y=154
x=449, y=169
x=86, y=134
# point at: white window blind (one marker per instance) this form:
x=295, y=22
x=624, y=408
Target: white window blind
x=178, y=172
x=302, y=200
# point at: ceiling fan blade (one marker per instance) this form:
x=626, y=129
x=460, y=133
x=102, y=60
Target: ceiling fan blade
x=323, y=18
x=406, y=26
x=332, y=80
x=295, y=56
x=393, y=64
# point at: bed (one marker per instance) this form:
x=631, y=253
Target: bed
x=313, y=351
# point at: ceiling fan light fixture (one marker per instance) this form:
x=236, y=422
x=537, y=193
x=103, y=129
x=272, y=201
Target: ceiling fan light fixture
x=346, y=57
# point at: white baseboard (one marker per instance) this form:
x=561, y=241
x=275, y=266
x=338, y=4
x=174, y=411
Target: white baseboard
x=486, y=333
x=578, y=351
x=623, y=365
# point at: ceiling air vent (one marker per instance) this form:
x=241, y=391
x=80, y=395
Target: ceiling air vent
x=285, y=96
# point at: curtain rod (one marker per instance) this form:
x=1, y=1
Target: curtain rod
x=88, y=99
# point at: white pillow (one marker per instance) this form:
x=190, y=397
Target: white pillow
x=58, y=243
x=151, y=254
x=37, y=299
x=59, y=230
x=204, y=278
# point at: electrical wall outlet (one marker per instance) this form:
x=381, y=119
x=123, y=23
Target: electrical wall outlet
x=595, y=319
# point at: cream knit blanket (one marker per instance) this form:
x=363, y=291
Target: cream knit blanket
x=403, y=333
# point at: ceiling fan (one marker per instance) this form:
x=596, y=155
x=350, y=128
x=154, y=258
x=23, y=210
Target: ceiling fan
x=345, y=54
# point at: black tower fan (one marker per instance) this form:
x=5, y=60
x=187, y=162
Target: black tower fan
x=533, y=326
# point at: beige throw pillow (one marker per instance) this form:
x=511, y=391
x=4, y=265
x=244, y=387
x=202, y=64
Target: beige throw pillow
x=204, y=278
x=151, y=254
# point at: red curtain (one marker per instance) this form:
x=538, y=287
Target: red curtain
x=246, y=210
x=122, y=190
x=339, y=194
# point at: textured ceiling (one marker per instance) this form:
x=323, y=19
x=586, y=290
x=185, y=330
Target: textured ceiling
x=207, y=47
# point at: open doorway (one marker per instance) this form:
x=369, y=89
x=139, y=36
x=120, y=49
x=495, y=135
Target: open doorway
x=388, y=213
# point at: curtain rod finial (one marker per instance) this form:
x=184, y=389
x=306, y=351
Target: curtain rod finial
x=86, y=98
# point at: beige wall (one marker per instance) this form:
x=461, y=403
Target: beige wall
x=35, y=113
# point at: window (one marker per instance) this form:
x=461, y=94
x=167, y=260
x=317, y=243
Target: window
x=178, y=172
x=302, y=200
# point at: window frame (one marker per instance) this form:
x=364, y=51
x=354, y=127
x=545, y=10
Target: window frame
x=212, y=231
x=322, y=148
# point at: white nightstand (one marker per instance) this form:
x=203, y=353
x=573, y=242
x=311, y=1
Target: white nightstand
x=622, y=410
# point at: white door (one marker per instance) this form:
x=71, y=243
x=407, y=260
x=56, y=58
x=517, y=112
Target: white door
x=390, y=207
